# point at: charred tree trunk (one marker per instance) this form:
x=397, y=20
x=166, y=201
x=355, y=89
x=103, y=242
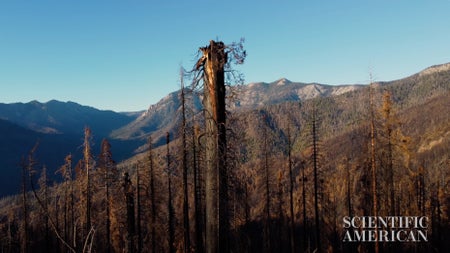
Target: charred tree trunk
x=43, y=185
x=217, y=228
x=27, y=168
x=316, y=180
x=24, y=229
x=197, y=197
x=291, y=194
x=280, y=222
x=305, y=220
x=388, y=127
x=87, y=164
x=170, y=210
x=138, y=216
x=152, y=196
x=373, y=162
x=106, y=163
x=129, y=199
x=186, y=226
x=267, y=225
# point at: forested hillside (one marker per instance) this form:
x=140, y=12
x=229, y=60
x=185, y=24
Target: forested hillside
x=295, y=169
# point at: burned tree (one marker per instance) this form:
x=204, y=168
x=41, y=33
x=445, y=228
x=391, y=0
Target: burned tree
x=170, y=208
x=186, y=226
x=152, y=194
x=107, y=165
x=315, y=160
x=211, y=66
x=128, y=190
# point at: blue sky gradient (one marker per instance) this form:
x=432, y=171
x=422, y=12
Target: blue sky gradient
x=126, y=55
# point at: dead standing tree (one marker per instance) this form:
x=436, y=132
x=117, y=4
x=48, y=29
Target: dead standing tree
x=211, y=66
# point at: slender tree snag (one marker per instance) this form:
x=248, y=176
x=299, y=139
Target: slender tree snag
x=213, y=61
x=316, y=183
x=197, y=195
x=291, y=193
x=152, y=192
x=139, y=210
x=106, y=163
x=129, y=199
x=305, y=221
x=87, y=163
x=389, y=128
x=373, y=164
x=170, y=210
x=186, y=226
x=268, y=220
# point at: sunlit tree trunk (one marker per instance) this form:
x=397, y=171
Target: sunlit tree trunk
x=217, y=228
x=87, y=164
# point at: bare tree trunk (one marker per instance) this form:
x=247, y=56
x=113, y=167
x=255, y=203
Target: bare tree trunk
x=373, y=163
x=316, y=181
x=129, y=199
x=388, y=125
x=291, y=194
x=138, y=216
x=186, y=226
x=152, y=191
x=27, y=168
x=24, y=236
x=107, y=164
x=267, y=225
x=87, y=163
x=43, y=185
x=171, y=221
x=217, y=228
x=197, y=197
x=280, y=223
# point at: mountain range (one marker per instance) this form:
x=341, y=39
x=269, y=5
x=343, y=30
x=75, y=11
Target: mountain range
x=58, y=126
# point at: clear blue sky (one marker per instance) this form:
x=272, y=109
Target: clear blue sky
x=125, y=55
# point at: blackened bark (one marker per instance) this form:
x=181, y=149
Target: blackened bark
x=138, y=203
x=152, y=192
x=186, y=226
x=171, y=218
x=316, y=181
x=129, y=199
x=199, y=225
x=291, y=194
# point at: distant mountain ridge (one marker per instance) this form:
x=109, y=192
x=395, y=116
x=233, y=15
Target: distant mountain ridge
x=284, y=90
x=57, y=117
x=59, y=125
x=163, y=115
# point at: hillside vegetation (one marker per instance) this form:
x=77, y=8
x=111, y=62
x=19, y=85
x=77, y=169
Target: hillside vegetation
x=281, y=150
